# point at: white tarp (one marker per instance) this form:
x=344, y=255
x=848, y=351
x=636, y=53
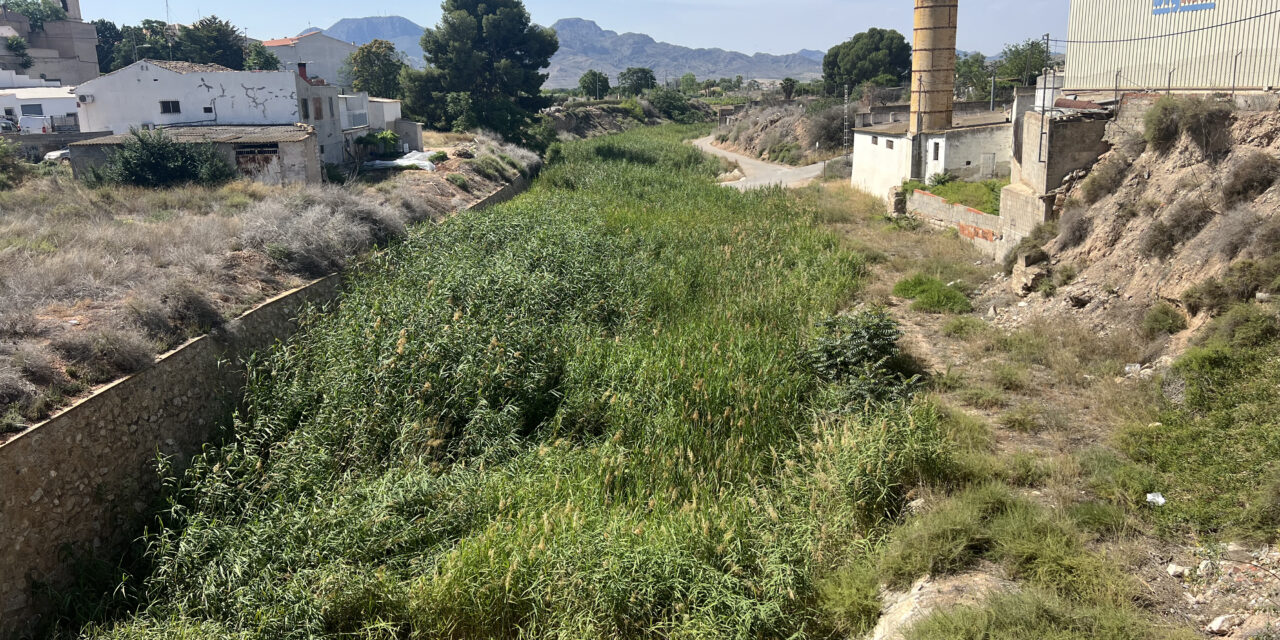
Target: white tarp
x=411, y=160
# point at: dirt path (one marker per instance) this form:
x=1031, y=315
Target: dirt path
x=760, y=173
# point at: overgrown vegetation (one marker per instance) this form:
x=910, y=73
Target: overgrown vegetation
x=1105, y=178
x=567, y=415
x=154, y=159
x=983, y=196
x=931, y=295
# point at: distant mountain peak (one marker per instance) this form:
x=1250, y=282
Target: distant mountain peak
x=405, y=34
x=586, y=45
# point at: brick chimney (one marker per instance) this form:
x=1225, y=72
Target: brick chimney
x=933, y=66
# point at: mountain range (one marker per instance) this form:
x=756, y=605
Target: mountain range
x=584, y=45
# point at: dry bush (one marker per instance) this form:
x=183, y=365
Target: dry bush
x=1204, y=120
x=316, y=231
x=1185, y=221
x=36, y=365
x=1106, y=177
x=102, y=355
x=1251, y=176
x=1074, y=227
x=15, y=390
x=1237, y=232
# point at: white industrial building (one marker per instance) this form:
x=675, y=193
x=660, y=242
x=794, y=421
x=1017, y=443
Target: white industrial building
x=164, y=94
x=932, y=139
x=318, y=55
x=1183, y=45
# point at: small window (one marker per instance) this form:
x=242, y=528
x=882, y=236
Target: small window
x=888, y=144
x=170, y=106
x=875, y=140
x=208, y=109
x=318, y=107
x=8, y=111
x=332, y=111
x=306, y=111
x=937, y=150
x=32, y=109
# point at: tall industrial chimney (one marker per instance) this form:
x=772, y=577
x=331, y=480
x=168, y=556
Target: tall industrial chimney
x=933, y=66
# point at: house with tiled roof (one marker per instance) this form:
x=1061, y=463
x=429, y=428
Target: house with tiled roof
x=320, y=55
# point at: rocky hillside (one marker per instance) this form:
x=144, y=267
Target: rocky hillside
x=584, y=45
x=1191, y=219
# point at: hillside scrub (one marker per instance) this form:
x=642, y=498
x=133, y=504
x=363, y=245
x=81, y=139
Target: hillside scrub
x=585, y=413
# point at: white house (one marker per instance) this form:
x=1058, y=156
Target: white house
x=58, y=102
x=319, y=55
x=156, y=93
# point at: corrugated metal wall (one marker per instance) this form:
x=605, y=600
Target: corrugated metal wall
x=1204, y=59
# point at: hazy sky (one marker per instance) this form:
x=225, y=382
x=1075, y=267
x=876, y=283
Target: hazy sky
x=771, y=26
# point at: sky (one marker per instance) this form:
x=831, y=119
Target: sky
x=750, y=26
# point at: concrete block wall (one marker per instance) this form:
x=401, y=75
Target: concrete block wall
x=86, y=479
x=983, y=230
x=1021, y=211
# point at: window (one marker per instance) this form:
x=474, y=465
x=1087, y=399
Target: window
x=937, y=150
x=306, y=112
x=208, y=109
x=318, y=107
x=332, y=111
x=170, y=106
x=32, y=109
x=875, y=140
x=8, y=112
x=888, y=144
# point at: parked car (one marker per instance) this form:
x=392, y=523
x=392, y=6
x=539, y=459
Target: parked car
x=7, y=126
x=62, y=155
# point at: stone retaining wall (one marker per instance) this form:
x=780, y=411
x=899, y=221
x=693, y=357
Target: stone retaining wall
x=83, y=482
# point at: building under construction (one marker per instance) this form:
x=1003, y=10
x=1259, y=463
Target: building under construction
x=1179, y=45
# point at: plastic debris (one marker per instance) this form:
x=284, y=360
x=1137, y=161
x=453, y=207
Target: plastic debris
x=1156, y=499
x=411, y=160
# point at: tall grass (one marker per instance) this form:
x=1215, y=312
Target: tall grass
x=585, y=413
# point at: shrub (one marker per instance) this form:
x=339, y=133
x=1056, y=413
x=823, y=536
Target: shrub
x=984, y=398
x=1202, y=119
x=963, y=327
x=1252, y=176
x=438, y=157
x=177, y=313
x=458, y=180
x=1158, y=241
x=860, y=353
x=851, y=599
x=1106, y=177
x=37, y=12
x=675, y=106
x=932, y=296
x=15, y=390
x=12, y=167
x=1243, y=326
x=1010, y=377
x=36, y=365
x=1027, y=419
x=317, y=230
x=1104, y=519
x=153, y=159
x=1162, y=320
x=1075, y=226
x=381, y=141
x=17, y=45
x=103, y=355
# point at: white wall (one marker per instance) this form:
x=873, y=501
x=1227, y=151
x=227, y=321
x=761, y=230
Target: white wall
x=383, y=113
x=50, y=106
x=131, y=97
x=977, y=153
x=324, y=56
x=877, y=169
x=14, y=80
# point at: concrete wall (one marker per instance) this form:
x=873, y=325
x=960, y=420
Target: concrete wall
x=983, y=230
x=85, y=479
x=877, y=169
x=410, y=133
x=329, y=127
x=34, y=145
x=64, y=51
x=977, y=153
x=1021, y=211
x=1053, y=147
x=13, y=80
x=131, y=97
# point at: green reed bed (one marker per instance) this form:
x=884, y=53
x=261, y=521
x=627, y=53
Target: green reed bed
x=585, y=413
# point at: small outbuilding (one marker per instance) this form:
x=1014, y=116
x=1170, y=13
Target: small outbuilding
x=276, y=155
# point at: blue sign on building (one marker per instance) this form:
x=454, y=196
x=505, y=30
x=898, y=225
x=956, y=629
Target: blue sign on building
x=1165, y=7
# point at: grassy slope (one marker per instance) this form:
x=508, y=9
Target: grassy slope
x=580, y=414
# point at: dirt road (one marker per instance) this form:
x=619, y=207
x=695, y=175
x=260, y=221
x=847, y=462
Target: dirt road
x=760, y=173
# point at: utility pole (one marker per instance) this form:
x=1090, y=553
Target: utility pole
x=993, y=91
x=1235, y=73
x=846, y=127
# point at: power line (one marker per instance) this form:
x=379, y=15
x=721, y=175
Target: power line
x=1170, y=35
